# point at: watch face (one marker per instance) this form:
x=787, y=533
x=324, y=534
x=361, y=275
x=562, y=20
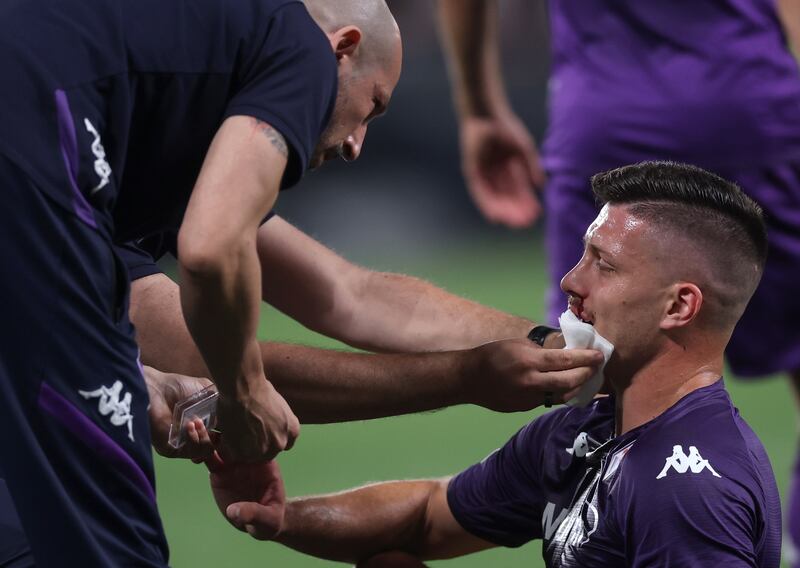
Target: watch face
x=539, y=333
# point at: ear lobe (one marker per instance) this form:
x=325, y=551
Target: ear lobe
x=684, y=305
x=345, y=41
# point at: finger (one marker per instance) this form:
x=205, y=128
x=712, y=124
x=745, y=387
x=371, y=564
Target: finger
x=485, y=201
x=260, y=521
x=560, y=382
x=199, y=448
x=563, y=359
x=534, y=166
x=215, y=463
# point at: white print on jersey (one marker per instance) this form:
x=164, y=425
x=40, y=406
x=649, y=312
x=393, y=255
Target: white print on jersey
x=682, y=463
x=101, y=167
x=120, y=410
x=580, y=446
x=548, y=523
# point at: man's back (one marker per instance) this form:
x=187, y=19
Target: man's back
x=129, y=94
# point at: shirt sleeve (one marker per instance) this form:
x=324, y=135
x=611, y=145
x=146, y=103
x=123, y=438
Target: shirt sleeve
x=691, y=520
x=138, y=262
x=499, y=499
x=140, y=256
x=291, y=84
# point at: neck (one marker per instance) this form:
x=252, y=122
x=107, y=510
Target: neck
x=660, y=383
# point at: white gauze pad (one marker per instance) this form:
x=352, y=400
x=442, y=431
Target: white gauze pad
x=580, y=335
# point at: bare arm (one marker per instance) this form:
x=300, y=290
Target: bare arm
x=499, y=157
x=412, y=516
x=469, y=30
x=371, y=310
x=330, y=386
x=221, y=281
x=789, y=11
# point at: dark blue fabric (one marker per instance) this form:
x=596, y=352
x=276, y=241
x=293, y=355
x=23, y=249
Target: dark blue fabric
x=145, y=84
x=81, y=475
x=140, y=256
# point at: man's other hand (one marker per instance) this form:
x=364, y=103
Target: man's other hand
x=501, y=168
x=515, y=374
x=250, y=496
x=257, y=424
x=166, y=390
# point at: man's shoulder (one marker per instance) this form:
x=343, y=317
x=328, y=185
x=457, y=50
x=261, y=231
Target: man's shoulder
x=703, y=447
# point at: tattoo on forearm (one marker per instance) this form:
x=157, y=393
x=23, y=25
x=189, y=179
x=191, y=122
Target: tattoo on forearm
x=275, y=137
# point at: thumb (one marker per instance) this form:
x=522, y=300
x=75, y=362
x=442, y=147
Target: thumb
x=259, y=521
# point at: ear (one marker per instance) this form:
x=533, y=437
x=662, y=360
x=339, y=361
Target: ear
x=345, y=41
x=684, y=303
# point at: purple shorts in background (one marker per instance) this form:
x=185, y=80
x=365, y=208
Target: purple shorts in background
x=767, y=339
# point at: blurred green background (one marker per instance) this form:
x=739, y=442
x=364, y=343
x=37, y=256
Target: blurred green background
x=506, y=273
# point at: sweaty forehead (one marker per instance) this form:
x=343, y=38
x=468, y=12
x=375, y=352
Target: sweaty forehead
x=616, y=231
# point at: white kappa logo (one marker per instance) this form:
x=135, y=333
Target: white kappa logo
x=101, y=167
x=120, y=410
x=682, y=463
x=580, y=447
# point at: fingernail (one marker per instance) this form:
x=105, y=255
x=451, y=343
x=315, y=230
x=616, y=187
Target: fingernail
x=233, y=513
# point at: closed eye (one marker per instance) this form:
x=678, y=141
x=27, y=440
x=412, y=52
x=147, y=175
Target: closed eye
x=604, y=266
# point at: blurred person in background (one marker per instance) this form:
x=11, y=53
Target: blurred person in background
x=663, y=472
x=710, y=83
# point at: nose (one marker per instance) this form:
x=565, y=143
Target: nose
x=351, y=148
x=571, y=283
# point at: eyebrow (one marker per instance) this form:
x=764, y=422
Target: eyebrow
x=593, y=246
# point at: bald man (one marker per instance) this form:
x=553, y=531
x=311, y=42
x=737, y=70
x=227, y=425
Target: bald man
x=121, y=119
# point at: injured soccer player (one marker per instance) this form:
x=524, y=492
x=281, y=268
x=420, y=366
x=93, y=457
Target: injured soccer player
x=661, y=472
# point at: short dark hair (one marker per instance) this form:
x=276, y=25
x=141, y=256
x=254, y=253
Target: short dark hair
x=712, y=213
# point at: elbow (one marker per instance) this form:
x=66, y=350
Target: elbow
x=204, y=257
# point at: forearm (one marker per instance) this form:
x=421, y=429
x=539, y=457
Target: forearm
x=320, y=385
x=220, y=298
x=357, y=524
x=398, y=313
x=325, y=386
x=789, y=11
x=469, y=33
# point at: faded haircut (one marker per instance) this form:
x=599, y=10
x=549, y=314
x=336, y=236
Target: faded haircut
x=712, y=215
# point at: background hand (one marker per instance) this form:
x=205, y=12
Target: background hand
x=501, y=168
x=514, y=374
x=251, y=496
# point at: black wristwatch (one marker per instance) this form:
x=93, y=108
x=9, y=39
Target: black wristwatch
x=539, y=333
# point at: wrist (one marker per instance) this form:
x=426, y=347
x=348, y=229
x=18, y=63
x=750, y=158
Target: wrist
x=541, y=333
x=468, y=370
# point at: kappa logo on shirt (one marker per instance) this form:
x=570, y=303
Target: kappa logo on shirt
x=580, y=447
x=109, y=403
x=682, y=463
x=101, y=166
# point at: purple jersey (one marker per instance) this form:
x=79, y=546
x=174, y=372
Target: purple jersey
x=710, y=83
x=692, y=487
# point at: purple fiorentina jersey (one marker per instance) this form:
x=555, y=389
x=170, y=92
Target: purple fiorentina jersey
x=693, y=487
x=709, y=82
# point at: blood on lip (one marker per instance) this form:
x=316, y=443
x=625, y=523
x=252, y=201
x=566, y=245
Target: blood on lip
x=576, y=307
